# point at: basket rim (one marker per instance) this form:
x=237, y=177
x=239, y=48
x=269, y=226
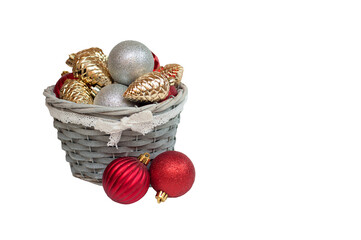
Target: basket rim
x=97, y=110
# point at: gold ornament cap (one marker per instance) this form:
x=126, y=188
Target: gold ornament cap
x=64, y=73
x=70, y=60
x=161, y=196
x=144, y=158
x=95, y=90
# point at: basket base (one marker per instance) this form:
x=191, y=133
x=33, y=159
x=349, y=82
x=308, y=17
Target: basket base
x=88, y=179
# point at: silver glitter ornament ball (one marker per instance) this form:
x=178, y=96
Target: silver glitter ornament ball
x=129, y=60
x=112, y=96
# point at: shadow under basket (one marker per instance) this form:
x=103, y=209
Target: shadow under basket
x=92, y=136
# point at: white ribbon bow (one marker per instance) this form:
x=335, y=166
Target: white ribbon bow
x=141, y=122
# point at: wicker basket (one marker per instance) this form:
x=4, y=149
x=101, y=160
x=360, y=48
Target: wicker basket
x=87, y=149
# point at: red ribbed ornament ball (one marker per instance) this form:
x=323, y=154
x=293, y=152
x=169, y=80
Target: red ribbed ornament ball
x=61, y=81
x=126, y=179
x=172, y=174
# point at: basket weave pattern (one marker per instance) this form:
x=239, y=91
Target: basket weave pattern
x=86, y=148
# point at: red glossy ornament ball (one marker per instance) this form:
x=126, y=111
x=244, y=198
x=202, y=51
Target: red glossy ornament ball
x=61, y=81
x=156, y=62
x=126, y=179
x=172, y=91
x=172, y=174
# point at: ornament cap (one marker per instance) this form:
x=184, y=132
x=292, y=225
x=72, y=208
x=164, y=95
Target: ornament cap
x=70, y=60
x=64, y=73
x=95, y=90
x=144, y=158
x=161, y=196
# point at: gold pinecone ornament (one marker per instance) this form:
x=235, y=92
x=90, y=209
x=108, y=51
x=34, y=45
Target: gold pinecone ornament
x=76, y=91
x=90, y=66
x=172, y=72
x=151, y=87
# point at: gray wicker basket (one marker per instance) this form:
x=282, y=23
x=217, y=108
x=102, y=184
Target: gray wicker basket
x=87, y=149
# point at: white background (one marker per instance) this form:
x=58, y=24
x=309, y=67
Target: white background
x=272, y=122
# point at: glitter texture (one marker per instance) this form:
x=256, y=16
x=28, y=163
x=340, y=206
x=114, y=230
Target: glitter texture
x=129, y=60
x=172, y=172
x=112, y=96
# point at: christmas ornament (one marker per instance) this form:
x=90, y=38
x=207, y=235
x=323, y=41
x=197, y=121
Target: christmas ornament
x=90, y=65
x=112, y=96
x=126, y=179
x=172, y=72
x=151, y=87
x=76, y=91
x=64, y=76
x=95, y=90
x=172, y=174
x=172, y=93
x=156, y=62
x=129, y=60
